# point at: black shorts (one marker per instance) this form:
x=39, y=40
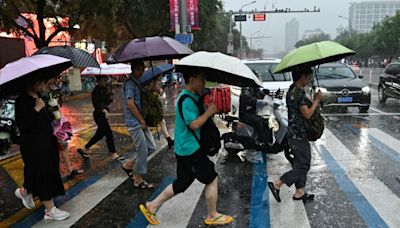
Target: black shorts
x=196, y=166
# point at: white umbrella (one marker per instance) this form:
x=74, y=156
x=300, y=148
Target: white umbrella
x=108, y=69
x=220, y=68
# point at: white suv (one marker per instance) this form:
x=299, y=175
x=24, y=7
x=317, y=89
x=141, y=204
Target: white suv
x=272, y=82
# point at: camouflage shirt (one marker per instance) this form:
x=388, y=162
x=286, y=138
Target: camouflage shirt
x=296, y=97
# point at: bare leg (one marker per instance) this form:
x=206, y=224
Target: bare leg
x=165, y=195
x=164, y=129
x=278, y=184
x=67, y=161
x=211, y=193
x=48, y=204
x=129, y=164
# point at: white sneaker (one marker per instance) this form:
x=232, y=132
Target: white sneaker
x=27, y=199
x=55, y=214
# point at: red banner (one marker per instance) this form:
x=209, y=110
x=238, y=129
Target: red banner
x=192, y=14
x=192, y=11
x=174, y=13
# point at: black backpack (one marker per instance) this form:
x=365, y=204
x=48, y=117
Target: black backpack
x=210, y=138
x=315, y=125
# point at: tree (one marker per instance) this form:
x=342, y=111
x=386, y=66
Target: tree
x=386, y=37
x=13, y=19
x=313, y=39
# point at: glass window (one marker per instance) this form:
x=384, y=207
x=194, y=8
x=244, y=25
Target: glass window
x=335, y=72
x=264, y=71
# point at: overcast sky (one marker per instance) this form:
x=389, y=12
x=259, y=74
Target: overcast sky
x=327, y=19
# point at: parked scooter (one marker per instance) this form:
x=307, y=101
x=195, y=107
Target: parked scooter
x=243, y=137
x=9, y=133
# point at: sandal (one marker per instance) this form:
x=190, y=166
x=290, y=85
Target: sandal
x=144, y=185
x=128, y=172
x=219, y=220
x=306, y=196
x=119, y=158
x=150, y=216
x=275, y=192
x=83, y=154
x=74, y=173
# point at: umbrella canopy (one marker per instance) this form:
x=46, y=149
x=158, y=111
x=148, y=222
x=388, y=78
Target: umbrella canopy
x=149, y=48
x=312, y=55
x=108, y=69
x=14, y=74
x=45, y=65
x=218, y=67
x=79, y=58
x=149, y=74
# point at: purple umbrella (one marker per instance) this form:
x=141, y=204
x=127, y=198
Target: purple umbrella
x=43, y=65
x=149, y=48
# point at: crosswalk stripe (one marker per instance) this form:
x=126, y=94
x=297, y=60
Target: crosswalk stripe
x=288, y=213
x=381, y=140
x=386, y=205
x=387, y=140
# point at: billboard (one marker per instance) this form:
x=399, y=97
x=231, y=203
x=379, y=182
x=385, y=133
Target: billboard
x=192, y=14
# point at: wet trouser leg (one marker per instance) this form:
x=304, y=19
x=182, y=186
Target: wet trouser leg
x=301, y=164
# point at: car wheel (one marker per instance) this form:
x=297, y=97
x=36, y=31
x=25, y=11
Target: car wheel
x=381, y=95
x=364, y=109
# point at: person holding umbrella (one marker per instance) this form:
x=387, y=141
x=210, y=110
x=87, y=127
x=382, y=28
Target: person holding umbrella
x=192, y=161
x=101, y=98
x=298, y=113
x=151, y=80
x=39, y=149
x=137, y=127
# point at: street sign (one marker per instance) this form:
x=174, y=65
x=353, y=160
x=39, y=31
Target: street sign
x=240, y=17
x=184, y=38
x=259, y=17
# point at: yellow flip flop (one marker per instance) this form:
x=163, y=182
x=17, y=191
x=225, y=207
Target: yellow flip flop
x=218, y=220
x=150, y=216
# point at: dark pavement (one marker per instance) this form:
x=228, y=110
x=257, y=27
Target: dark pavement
x=353, y=172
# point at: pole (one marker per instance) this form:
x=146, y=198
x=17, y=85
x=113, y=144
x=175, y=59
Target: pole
x=241, y=40
x=183, y=17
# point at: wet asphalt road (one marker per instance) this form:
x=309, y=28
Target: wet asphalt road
x=353, y=172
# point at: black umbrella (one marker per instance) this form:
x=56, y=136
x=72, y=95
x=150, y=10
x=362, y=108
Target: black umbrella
x=79, y=58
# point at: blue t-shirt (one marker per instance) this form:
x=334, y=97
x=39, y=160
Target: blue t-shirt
x=185, y=142
x=131, y=91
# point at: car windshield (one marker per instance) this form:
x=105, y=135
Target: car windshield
x=335, y=72
x=264, y=70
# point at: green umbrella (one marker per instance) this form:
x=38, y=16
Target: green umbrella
x=312, y=55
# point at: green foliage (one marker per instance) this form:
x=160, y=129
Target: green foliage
x=118, y=21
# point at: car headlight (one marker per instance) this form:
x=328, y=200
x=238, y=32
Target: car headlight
x=366, y=89
x=323, y=90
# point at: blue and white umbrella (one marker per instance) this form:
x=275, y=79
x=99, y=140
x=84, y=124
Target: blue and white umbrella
x=151, y=73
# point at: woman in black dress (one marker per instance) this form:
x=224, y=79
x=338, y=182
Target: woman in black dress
x=39, y=150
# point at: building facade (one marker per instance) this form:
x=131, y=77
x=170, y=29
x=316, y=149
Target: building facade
x=312, y=32
x=364, y=15
x=292, y=34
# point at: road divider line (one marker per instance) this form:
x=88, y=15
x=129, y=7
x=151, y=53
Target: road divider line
x=259, y=210
x=375, y=202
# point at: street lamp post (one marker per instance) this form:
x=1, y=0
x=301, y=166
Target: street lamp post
x=350, y=29
x=240, y=25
